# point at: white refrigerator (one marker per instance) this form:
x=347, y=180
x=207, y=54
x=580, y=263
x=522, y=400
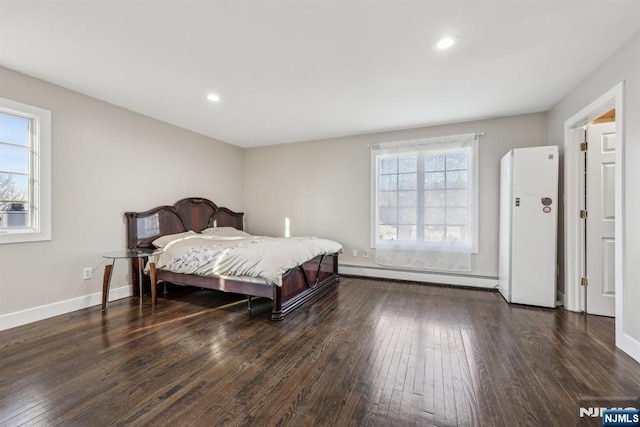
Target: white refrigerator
x=528, y=225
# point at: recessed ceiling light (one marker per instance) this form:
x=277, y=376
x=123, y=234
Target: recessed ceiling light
x=444, y=43
x=213, y=97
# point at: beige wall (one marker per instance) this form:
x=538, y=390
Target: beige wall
x=323, y=187
x=105, y=161
x=623, y=65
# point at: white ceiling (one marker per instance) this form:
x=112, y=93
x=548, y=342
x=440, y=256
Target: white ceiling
x=299, y=70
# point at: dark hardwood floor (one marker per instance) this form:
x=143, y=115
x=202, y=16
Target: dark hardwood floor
x=368, y=353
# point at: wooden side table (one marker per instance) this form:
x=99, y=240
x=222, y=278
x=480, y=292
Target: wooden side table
x=108, y=269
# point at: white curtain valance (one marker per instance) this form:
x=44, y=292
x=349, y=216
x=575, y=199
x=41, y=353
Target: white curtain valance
x=426, y=143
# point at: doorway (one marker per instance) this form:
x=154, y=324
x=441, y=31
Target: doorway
x=574, y=192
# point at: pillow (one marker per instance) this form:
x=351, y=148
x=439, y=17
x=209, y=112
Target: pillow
x=225, y=231
x=163, y=241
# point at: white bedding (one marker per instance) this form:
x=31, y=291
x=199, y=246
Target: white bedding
x=266, y=258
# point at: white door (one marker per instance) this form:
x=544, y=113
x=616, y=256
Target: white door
x=600, y=230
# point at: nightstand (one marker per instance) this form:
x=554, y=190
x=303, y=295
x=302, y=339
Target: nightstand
x=108, y=269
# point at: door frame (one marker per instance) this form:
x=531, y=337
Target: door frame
x=574, y=192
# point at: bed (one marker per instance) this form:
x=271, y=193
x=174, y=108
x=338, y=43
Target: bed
x=300, y=284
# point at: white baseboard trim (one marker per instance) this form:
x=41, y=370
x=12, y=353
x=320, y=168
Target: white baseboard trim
x=475, y=281
x=629, y=345
x=30, y=315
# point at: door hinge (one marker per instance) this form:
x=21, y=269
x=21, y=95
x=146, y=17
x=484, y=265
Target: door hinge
x=583, y=214
x=584, y=146
x=584, y=282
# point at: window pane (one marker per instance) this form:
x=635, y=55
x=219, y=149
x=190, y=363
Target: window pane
x=15, y=216
x=388, y=165
x=388, y=199
x=457, y=179
x=434, y=233
x=434, y=216
x=425, y=193
x=434, y=180
x=407, y=164
x=387, y=232
x=408, y=199
x=14, y=187
x=388, y=182
x=459, y=216
x=434, y=162
x=14, y=159
x=457, y=161
x=407, y=232
x=388, y=216
x=457, y=198
x=407, y=216
x=434, y=199
x=14, y=129
x=407, y=181
x=457, y=233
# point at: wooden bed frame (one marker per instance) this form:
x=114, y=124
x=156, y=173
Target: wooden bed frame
x=299, y=284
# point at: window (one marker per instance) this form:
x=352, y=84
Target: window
x=25, y=170
x=424, y=193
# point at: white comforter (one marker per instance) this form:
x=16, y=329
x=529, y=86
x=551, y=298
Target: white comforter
x=267, y=258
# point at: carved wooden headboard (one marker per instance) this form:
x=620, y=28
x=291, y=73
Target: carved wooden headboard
x=192, y=213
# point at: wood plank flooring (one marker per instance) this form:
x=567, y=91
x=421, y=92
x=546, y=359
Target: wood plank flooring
x=368, y=353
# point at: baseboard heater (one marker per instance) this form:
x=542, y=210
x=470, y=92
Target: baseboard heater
x=455, y=279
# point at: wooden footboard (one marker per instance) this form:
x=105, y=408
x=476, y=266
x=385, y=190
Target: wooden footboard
x=304, y=283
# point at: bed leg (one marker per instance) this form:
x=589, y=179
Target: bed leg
x=154, y=284
x=165, y=292
x=249, y=301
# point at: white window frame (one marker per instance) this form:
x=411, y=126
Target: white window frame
x=39, y=174
x=437, y=144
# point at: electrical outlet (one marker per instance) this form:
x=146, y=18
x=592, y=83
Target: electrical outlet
x=365, y=254
x=87, y=273
x=355, y=252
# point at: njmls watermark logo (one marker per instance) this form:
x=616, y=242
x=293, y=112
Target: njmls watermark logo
x=621, y=417
x=609, y=411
